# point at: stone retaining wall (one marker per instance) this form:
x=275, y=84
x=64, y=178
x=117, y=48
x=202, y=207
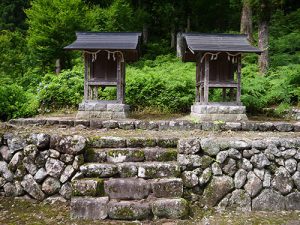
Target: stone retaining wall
x=244, y=175
x=39, y=165
x=227, y=173
x=163, y=124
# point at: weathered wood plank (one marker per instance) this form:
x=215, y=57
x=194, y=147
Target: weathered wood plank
x=86, y=76
x=238, y=92
x=206, y=79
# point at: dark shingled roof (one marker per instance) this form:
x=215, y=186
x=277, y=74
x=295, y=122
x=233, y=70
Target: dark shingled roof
x=218, y=43
x=105, y=40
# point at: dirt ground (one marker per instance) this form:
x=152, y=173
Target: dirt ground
x=28, y=212
x=88, y=132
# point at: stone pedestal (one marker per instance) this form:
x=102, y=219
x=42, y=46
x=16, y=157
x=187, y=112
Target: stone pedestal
x=102, y=110
x=219, y=112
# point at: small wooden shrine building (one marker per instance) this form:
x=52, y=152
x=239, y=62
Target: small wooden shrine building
x=105, y=55
x=218, y=65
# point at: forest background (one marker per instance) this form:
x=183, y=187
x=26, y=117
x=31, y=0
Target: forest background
x=34, y=32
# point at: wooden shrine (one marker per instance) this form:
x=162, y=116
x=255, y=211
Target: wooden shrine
x=218, y=66
x=105, y=55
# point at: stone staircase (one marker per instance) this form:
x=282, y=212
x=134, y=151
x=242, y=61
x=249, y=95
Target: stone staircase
x=129, y=179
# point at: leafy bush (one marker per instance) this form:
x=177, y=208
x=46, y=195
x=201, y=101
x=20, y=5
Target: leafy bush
x=65, y=89
x=280, y=86
x=164, y=83
x=15, y=102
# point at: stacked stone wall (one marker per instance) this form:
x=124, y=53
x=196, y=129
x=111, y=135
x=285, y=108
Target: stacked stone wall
x=241, y=174
x=227, y=173
x=39, y=166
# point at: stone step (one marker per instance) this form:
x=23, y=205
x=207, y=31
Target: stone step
x=89, y=208
x=128, y=188
x=93, y=187
x=118, y=155
x=147, y=170
x=134, y=142
x=101, y=208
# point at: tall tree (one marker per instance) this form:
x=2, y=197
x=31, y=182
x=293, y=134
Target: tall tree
x=246, y=20
x=52, y=25
x=12, y=14
x=264, y=16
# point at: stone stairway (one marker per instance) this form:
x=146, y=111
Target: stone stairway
x=129, y=179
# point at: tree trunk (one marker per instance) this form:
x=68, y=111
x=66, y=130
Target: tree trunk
x=188, y=24
x=179, y=45
x=173, y=38
x=246, y=20
x=145, y=33
x=57, y=66
x=263, y=44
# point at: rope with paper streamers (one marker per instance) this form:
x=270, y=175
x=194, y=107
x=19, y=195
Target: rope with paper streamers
x=109, y=53
x=214, y=56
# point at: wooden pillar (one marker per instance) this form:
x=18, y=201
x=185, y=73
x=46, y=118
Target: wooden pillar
x=123, y=71
x=206, y=79
x=224, y=94
x=238, y=91
x=198, y=79
x=86, y=76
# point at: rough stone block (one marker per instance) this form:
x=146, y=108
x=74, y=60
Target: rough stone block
x=127, y=188
x=170, y=208
x=283, y=127
x=96, y=124
x=129, y=210
x=158, y=170
x=136, y=142
x=160, y=154
x=99, y=170
x=189, y=145
x=218, y=188
x=125, y=155
x=268, y=200
x=110, y=124
x=117, y=107
x=127, y=169
x=88, y=187
x=126, y=125
x=108, y=142
x=85, y=123
x=167, y=187
x=293, y=201
x=89, y=208
x=167, y=142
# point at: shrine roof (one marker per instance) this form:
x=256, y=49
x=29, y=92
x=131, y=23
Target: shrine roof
x=106, y=40
x=199, y=42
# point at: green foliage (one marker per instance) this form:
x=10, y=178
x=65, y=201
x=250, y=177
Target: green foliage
x=12, y=54
x=12, y=16
x=280, y=86
x=52, y=26
x=164, y=83
x=15, y=102
x=117, y=17
x=64, y=90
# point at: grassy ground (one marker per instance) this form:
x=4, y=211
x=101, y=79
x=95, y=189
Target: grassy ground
x=28, y=212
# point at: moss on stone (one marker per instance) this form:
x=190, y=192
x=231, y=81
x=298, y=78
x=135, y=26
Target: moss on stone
x=206, y=161
x=140, y=154
x=124, y=213
x=89, y=154
x=169, y=155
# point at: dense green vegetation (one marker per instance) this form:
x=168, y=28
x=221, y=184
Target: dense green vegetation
x=34, y=32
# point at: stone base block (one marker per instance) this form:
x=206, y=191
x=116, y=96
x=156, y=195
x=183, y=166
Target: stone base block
x=102, y=110
x=218, y=112
x=89, y=208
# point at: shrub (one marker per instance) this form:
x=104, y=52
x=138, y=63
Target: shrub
x=164, y=83
x=15, y=102
x=63, y=90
